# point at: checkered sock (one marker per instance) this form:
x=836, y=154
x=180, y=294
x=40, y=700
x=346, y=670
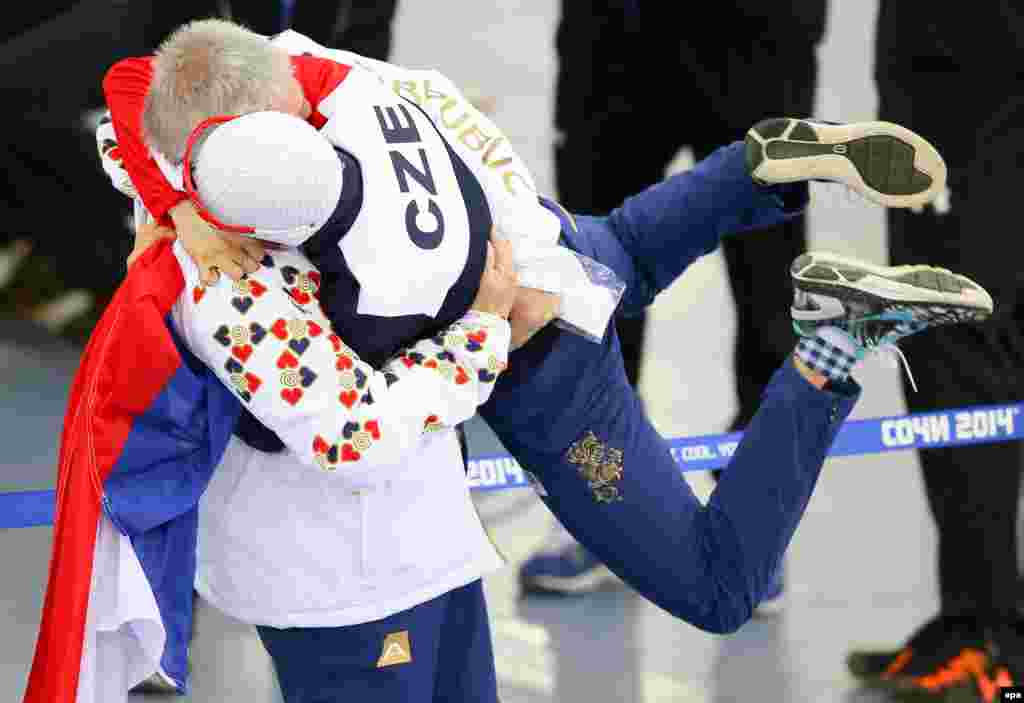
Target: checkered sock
x=829, y=352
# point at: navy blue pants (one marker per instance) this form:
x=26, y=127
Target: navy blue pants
x=566, y=411
x=437, y=651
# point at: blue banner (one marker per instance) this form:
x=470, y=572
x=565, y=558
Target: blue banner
x=946, y=428
x=976, y=425
x=26, y=509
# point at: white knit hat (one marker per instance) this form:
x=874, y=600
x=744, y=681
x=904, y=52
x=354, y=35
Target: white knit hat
x=269, y=175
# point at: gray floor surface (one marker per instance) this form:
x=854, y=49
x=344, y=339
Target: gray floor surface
x=861, y=568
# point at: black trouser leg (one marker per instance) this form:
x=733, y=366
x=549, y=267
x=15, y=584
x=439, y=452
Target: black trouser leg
x=758, y=265
x=168, y=16
x=353, y=25
x=591, y=179
x=599, y=109
x=262, y=16
x=758, y=262
x=973, y=491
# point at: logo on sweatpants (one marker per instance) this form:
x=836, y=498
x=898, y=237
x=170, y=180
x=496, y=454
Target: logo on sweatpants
x=396, y=650
x=600, y=465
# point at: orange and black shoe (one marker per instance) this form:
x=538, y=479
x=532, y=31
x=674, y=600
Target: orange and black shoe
x=1006, y=669
x=944, y=654
x=986, y=687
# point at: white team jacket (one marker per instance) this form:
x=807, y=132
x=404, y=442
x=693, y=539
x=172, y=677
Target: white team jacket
x=368, y=511
x=283, y=542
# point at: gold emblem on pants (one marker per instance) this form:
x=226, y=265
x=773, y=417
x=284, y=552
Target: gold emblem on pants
x=396, y=650
x=600, y=465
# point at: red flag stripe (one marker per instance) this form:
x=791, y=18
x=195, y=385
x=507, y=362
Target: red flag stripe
x=128, y=361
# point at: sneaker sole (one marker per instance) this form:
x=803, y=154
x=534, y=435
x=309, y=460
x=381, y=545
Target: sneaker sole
x=590, y=581
x=884, y=162
x=932, y=294
x=866, y=672
x=11, y=259
x=771, y=608
x=59, y=313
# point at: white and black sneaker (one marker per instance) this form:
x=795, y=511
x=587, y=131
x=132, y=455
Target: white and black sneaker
x=884, y=162
x=564, y=567
x=875, y=306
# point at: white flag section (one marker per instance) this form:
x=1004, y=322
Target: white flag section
x=124, y=636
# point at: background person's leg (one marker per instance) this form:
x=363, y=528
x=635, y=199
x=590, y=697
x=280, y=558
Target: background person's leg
x=261, y=16
x=758, y=262
x=352, y=25
x=596, y=168
x=758, y=267
x=168, y=16
x=663, y=229
x=973, y=492
x=599, y=107
x=55, y=193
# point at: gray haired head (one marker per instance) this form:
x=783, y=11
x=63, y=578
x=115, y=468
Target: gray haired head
x=208, y=68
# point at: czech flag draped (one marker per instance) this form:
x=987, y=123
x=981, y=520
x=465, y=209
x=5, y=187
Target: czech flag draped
x=146, y=425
